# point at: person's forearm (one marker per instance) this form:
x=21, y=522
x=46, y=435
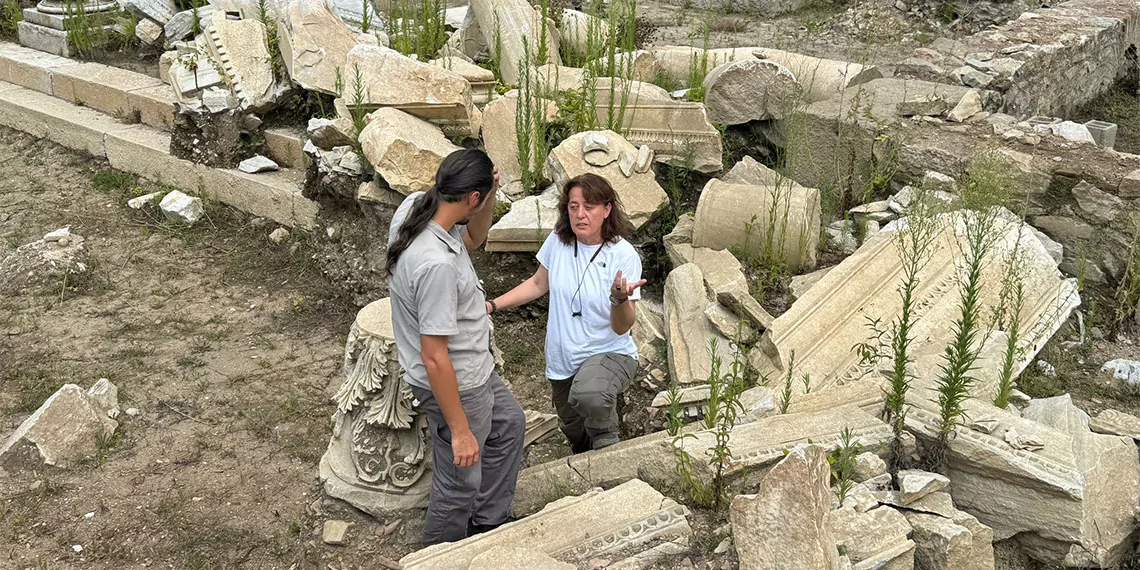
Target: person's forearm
x=441, y=377
x=522, y=294
x=622, y=317
x=480, y=224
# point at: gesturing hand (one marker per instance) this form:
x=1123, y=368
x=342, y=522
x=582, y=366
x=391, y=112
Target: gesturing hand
x=622, y=289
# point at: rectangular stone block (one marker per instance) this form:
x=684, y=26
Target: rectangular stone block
x=101, y=87
x=285, y=147
x=146, y=151
x=43, y=38
x=613, y=524
x=27, y=67
x=58, y=121
x=154, y=105
x=59, y=21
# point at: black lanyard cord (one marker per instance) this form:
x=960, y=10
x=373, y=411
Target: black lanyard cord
x=582, y=279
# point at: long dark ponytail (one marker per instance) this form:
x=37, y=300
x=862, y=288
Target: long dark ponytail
x=460, y=173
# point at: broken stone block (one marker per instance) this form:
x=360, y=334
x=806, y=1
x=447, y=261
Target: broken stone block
x=257, y=164
x=105, y=396
x=1100, y=205
x=1129, y=186
x=687, y=331
x=1070, y=502
x=314, y=46
x=500, y=136
x=63, y=430
x=181, y=24
x=1072, y=131
x=513, y=556
x=737, y=214
x=749, y=171
x=640, y=194
x=538, y=426
x=526, y=225
x=335, y=532
x=576, y=29
x=405, y=150
x=914, y=485
x=481, y=79
x=508, y=23
x=330, y=133
x=784, y=525
x=755, y=447
x=944, y=544
x=1123, y=369
x=639, y=65
x=432, y=93
x=862, y=279
x=45, y=264
x=140, y=202
x=158, y=10
x=240, y=47
x=728, y=324
x=868, y=466
x=752, y=90
x=627, y=519
x=147, y=31
x=1114, y=422
x=649, y=331
x=927, y=106
x=877, y=536
x=179, y=206
x=968, y=106
x=279, y=235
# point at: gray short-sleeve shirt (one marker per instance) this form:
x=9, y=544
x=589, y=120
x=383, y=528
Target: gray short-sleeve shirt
x=435, y=291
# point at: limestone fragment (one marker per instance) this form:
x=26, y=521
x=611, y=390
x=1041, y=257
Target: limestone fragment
x=508, y=24
x=640, y=193
x=526, y=225
x=877, y=536
x=927, y=106
x=257, y=164
x=182, y=24
x=314, y=45
x=951, y=544
x=750, y=90
x=330, y=133
x=335, y=532
x=598, y=524
x=178, y=206
x=914, y=485
x=737, y=214
x=868, y=466
x=45, y=264
x=688, y=332
x=405, y=150
x=105, y=396
x=577, y=27
x=500, y=136
x=784, y=525
x=1100, y=205
x=240, y=48
x=390, y=79
x=63, y=430
x=147, y=31
x=1073, y=131
x=514, y=556
x=968, y=106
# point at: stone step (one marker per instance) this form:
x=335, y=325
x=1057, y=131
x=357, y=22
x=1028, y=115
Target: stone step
x=625, y=522
x=116, y=92
x=144, y=150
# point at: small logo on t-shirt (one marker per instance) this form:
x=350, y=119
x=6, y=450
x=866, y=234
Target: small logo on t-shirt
x=603, y=264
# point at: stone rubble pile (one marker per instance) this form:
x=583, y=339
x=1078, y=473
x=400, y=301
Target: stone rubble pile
x=45, y=265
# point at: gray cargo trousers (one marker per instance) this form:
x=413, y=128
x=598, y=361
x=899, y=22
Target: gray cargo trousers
x=480, y=494
x=587, y=402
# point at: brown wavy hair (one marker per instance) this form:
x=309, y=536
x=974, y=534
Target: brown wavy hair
x=595, y=190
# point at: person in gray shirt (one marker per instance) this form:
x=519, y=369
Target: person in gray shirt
x=443, y=340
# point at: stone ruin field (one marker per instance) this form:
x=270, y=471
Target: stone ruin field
x=893, y=251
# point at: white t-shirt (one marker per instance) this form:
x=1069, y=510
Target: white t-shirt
x=571, y=340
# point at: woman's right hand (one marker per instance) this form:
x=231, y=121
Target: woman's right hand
x=489, y=309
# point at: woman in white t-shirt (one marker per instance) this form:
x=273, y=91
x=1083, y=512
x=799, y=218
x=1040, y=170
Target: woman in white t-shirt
x=592, y=274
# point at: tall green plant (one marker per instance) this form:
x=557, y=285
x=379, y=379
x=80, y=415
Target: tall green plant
x=1013, y=301
x=723, y=409
x=276, y=62
x=915, y=242
x=417, y=28
x=985, y=187
x=531, y=122
x=842, y=462
x=786, y=395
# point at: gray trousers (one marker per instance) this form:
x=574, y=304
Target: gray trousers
x=587, y=402
x=480, y=494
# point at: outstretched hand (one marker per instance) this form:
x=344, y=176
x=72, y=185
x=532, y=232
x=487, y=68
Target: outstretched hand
x=622, y=289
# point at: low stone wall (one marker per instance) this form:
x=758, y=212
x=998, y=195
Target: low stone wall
x=1081, y=195
x=1045, y=62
